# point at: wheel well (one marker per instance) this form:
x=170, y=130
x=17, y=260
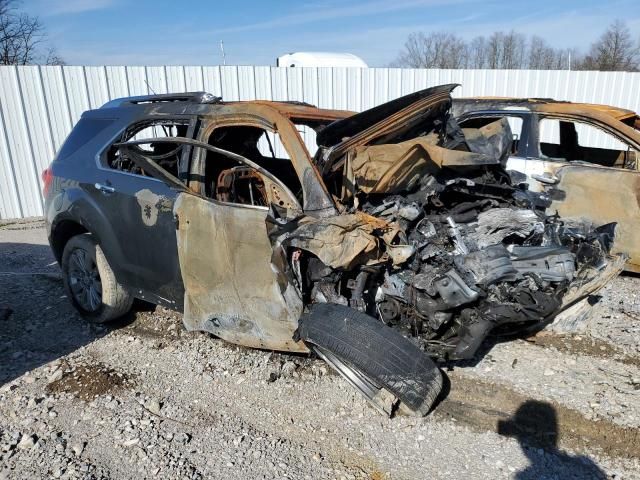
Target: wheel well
x=62, y=233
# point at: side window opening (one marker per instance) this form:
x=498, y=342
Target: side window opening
x=166, y=155
x=514, y=122
x=230, y=181
x=568, y=140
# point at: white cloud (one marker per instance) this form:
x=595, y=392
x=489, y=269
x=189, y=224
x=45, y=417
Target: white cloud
x=329, y=11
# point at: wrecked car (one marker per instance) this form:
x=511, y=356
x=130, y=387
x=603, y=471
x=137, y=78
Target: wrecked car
x=399, y=241
x=585, y=157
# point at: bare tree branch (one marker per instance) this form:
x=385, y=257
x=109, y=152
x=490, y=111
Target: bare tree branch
x=21, y=36
x=437, y=50
x=614, y=51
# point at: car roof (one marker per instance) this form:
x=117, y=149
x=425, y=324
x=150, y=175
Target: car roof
x=547, y=105
x=294, y=109
x=208, y=103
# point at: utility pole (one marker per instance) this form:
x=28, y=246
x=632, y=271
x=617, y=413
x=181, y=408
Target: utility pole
x=224, y=58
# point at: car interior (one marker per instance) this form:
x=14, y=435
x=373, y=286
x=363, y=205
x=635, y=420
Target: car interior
x=514, y=122
x=560, y=140
x=167, y=155
x=231, y=181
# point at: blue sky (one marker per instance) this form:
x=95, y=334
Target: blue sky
x=146, y=32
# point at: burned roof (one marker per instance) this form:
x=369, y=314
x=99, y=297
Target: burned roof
x=547, y=105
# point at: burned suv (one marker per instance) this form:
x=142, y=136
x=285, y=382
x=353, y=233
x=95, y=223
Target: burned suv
x=400, y=239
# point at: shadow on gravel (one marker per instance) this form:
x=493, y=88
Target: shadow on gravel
x=37, y=322
x=535, y=426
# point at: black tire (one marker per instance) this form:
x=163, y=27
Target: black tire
x=371, y=355
x=92, y=287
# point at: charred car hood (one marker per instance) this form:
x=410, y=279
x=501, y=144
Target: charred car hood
x=381, y=122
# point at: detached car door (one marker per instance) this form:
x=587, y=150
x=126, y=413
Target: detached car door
x=233, y=286
x=602, y=195
x=593, y=175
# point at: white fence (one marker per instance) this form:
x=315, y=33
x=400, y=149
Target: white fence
x=39, y=105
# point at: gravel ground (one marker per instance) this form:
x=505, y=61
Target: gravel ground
x=145, y=399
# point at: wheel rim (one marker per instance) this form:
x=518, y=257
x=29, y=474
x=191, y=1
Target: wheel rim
x=377, y=396
x=84, y=280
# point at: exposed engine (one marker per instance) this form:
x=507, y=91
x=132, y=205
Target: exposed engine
x=480, y=258
x=435, y=238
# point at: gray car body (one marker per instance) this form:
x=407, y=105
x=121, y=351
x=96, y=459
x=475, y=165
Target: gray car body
x=131, y=216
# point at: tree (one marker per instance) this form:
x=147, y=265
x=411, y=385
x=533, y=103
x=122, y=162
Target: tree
x=541, y=56
x=614, y=51
x=478, y=53
x=436, y=50
x=21, y=36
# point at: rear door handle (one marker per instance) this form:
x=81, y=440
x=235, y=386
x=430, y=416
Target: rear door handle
x=106, y=189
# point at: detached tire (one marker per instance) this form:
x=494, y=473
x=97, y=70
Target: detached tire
x=374, y=358
x=90, y=282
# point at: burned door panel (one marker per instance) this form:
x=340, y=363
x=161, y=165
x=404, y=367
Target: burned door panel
x=231, y=288
x=603, y=195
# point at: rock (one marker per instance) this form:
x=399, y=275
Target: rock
x=153, y=405
x=56, y=375
x=78, y=448
x=27, y=442
x=548, y=372
x=131, y=442
x=288, y=369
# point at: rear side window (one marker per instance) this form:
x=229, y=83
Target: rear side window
x=85, y=130
x=168, y=153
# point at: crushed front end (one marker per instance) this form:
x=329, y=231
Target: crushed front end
x=435, y=239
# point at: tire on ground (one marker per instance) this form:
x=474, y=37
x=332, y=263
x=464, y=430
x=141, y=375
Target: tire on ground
x=379, y=352
x=116, y=300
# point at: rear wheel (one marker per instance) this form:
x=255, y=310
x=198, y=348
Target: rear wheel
x=90, y=282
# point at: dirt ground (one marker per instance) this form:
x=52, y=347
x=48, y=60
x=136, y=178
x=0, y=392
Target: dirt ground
x=143, y=398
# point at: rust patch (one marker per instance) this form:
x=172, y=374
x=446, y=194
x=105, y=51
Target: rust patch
x=589, y=195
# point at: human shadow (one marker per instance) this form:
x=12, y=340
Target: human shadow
x=37, y=321
x=535, y=426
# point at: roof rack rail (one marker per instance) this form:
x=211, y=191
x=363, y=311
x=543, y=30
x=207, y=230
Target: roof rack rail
x=193, y=97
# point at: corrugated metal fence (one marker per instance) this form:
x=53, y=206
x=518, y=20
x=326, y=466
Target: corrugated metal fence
x=39, y=105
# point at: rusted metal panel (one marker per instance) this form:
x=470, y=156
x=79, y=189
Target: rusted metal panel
x=603, y=195
x=232, y=291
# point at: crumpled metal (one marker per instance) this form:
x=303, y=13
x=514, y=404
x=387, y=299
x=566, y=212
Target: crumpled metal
x=393, y=168
x=344, y=241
